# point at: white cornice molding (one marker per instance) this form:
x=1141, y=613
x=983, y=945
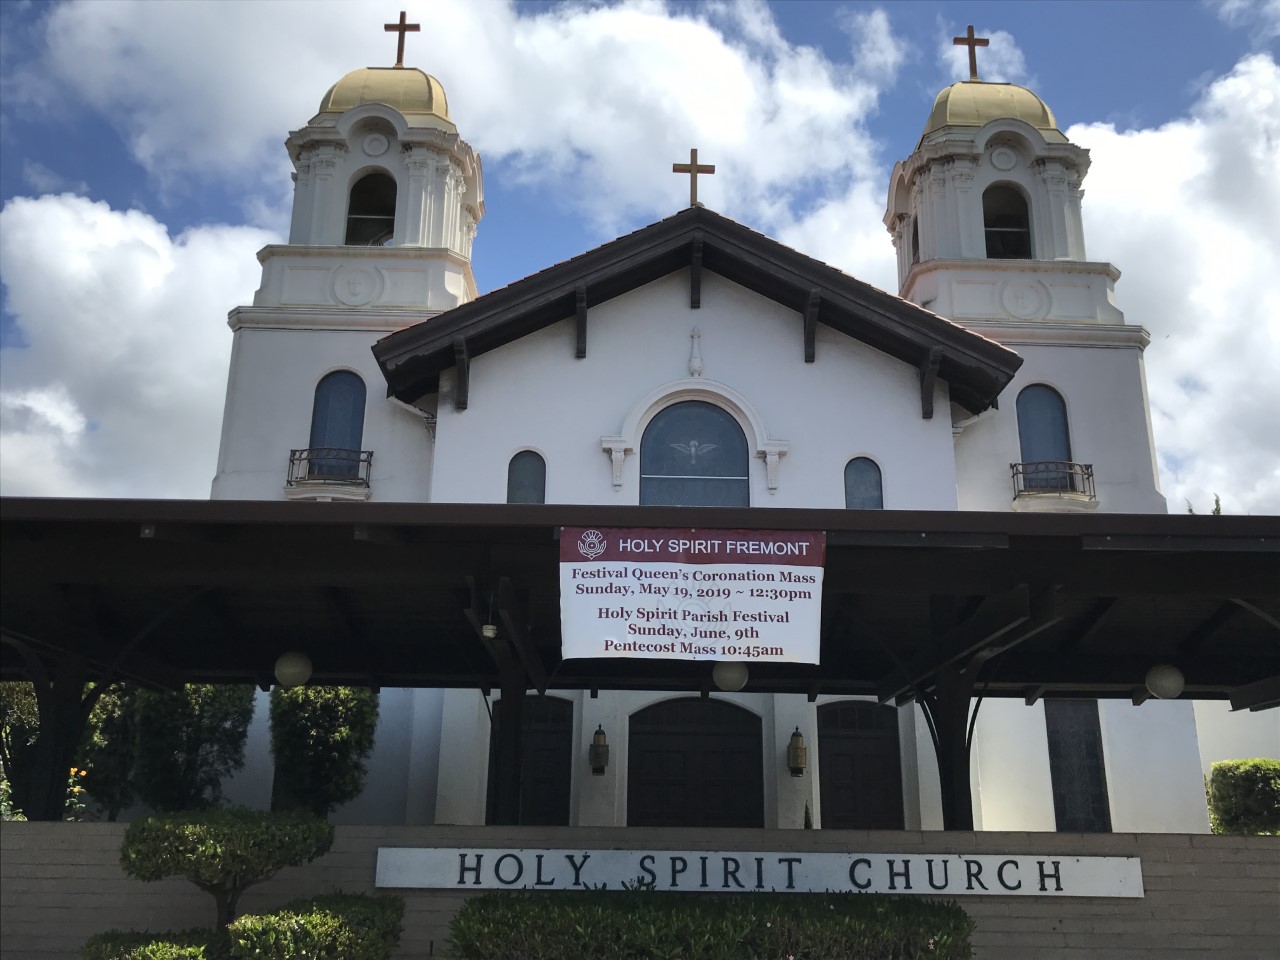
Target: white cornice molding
x=306, y=251
x=1050, y=333
x=1039, y=267
x=379, y=320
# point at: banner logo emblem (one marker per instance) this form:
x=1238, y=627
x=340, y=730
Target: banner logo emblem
x=591, y=544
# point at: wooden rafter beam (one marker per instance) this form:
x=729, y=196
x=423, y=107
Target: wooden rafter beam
x=1206, y=628
x=514, y=624
x=811, y=308
x=1260, y=695
x=462, y=373
x=580, y=321
x=1087, y=628
x=695, y=273
x=929, y=365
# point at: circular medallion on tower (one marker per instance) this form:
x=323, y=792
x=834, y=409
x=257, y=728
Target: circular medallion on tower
x=1003, y=158
x=375, y=145
x=1025, y=299
x=356, y=286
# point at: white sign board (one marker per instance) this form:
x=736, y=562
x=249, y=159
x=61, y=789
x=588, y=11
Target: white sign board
x=707, y=871
x=748, y=595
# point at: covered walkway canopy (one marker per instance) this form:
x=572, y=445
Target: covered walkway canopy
x=938, y=607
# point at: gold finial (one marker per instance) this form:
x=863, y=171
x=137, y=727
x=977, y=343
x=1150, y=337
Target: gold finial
x=972, y=42
x=402, y=28
x=693, y=168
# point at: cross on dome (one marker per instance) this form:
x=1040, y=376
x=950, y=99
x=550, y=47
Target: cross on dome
x=402, y=28
x=693, y=168
x=972, y=42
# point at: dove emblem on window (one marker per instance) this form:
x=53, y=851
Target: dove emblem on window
x=693, y=448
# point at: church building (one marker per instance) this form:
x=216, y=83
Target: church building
x=699, y=363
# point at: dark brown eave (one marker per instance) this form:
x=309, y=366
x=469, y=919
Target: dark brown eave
x=976, y=369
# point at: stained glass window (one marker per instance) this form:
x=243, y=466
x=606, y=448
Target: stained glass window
x=694, y=454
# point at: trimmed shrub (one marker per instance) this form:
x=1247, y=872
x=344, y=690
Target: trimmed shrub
x=223, y=852
x=135, y=945
x=320, y=737
x=641, y=923
x=1244, y=796
x=188, y=742
x=339, y=926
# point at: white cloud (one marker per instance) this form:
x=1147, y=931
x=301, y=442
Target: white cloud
x=43, y=180
x=1261, y=17
x=119, y=389
x=1188, y=211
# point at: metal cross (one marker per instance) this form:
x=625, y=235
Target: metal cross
x=693, y=168
x=402, y=28
x=972, y=42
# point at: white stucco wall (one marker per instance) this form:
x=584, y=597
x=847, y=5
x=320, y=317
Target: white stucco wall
x=1153, y=767
x=1009, y=761
x=1239, y=735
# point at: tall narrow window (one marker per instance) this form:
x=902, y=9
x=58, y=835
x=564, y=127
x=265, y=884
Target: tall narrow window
x=371, y=212
x=862, y=488
x=915, y=240
x=1044, y=439
x=694, y=454
x=527, y=478
x=1008, y=227
x=337, y=425
x=1076, y=768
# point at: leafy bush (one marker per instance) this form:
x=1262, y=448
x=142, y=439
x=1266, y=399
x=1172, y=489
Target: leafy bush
x=135, y=945
x=188, y=741
x=341, y=926
x=640, y=923
x=223, y=852
x=1244, y=796
x=320, y=737
x=19, y=727
x=110, y=749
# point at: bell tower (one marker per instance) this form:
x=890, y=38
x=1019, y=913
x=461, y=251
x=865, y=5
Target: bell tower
x=387, y=197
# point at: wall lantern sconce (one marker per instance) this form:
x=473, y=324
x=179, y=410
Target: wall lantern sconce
x=729, y=675
x=598, y=753
x=293, y=669
x=489, y=631
x=797, y=754
x=1165, y=681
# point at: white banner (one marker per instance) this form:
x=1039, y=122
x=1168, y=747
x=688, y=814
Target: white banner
x=716, y=871
x=748, y=595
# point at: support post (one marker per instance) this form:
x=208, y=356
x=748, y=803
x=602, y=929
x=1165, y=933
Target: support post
x=507, y=751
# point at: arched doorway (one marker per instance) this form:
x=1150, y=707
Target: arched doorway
x=695, y=763
x=860, y=767
x=546, y=761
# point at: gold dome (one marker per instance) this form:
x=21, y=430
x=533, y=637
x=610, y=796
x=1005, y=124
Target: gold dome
x=406, y=89
x=973, y=103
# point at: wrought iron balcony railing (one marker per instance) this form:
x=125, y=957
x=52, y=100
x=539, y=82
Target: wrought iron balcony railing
x=329, y=465
x=1053, y=478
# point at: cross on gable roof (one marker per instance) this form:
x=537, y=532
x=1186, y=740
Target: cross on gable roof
x=975, y=368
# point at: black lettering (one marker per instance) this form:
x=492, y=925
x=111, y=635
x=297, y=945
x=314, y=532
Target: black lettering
x=853, y=873
x=577, y=868
x=759, y=873
x=463, y=868
x=791, y=863
x=1056, y=873
x=904, y=873
x=731, y=873
x=973, y=870
x=497, y=868
x=648, y=867
x=677, y=870
x=1000, y=875
x=538, y=881
x=703, y=884
x=946, y=880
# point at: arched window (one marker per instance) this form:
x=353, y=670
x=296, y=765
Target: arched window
x=527, y=478
x=915, y=240
x=695, y=763
x=371, y=212
x=1043, y=437
x=694, y=454
x=1008, y=226
x=862, y=489
x=337, y=426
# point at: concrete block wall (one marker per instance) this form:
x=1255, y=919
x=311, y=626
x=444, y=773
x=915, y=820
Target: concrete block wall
x=1206, y=896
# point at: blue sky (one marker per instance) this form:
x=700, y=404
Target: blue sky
x=141, y=165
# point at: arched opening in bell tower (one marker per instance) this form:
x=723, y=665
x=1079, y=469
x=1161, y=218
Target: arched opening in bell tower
x=371, y=211
x=1006, y=223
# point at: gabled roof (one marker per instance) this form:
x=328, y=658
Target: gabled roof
x=975, y=368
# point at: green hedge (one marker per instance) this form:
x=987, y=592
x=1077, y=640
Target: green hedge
x=136, y=945
x=636, y=924
x=339, y=926
x=1244, y=796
